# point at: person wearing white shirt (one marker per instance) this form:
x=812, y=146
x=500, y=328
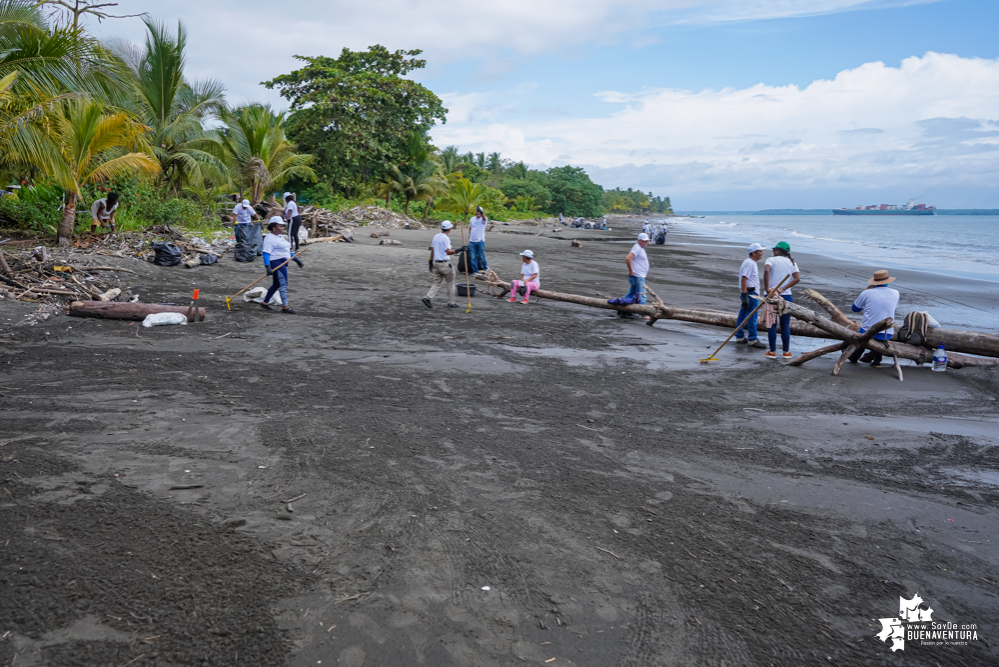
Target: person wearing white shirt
x=638, y=268
x=277, y=253
x=292, y=218
x=749, y=285
x=441, y=266
x=530, y=278
x=781, y=268
x=102, y=212
x=647, y=228
x=877, y=303
x=477, y=241
x=244, y=213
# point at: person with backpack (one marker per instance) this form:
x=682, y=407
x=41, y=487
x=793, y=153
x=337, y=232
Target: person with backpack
x=878, y=302
x=749, y=285
x=102, y=212
x=781, y=268
x=530, y=278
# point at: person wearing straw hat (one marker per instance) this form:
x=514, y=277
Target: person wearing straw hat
x=292, y=218
x=749, y=285
x=277, y=252
x=441, y=267
x=781, y=268
x=530, y=278
x=877, y=303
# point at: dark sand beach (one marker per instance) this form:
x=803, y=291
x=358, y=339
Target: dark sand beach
x=539, y=484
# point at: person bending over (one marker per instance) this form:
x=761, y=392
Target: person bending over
x=102, y=212
x=530, y=278
x=878, y=302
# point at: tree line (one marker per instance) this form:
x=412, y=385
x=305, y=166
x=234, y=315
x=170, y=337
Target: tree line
x=80, y=116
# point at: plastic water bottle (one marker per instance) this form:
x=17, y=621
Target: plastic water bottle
x=940, y=359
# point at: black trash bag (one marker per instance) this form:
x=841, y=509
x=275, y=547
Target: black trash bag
x=249, y=242
x=660, y=239
x=461, y=262
x=207, y=260
x=167, y=254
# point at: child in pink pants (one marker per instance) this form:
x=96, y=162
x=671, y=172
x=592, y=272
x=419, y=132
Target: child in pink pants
x=530, y=278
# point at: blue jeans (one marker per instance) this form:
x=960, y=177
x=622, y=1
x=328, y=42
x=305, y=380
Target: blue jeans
x=785, y=330
x=477, y=255
x=279, y=282
x=637, y=289
x=748, y=325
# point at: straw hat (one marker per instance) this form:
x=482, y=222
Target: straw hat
x=881, y=277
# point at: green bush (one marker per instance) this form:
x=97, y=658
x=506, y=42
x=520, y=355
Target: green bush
x=37, y=208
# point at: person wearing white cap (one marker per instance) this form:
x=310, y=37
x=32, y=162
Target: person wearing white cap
x=277, y=252
x=244, y=213
x=638, y=269
x=441, y=266
x=292, y=218
x=530, y=278
x=749, y=285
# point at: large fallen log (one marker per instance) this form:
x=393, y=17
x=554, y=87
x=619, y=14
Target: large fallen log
x=805, y=322
x=127, y=311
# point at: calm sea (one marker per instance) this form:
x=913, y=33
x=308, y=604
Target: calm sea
x=958, y=245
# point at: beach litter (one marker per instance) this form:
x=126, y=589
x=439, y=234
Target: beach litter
x=162, y=319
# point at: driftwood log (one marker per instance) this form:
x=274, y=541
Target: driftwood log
x=805, y=322
x=128, y=311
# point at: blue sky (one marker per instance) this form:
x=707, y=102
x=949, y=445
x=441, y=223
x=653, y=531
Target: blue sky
x=717, y=103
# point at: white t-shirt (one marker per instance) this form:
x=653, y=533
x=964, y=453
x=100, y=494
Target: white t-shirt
x=647, y=228
x=640, y=261
x=277, y=246
x=780, y=268
x=529, y=269
x=290, y=210
x=751, y=271
x=878, y=303
x=243, y=213
x=441, y=243
x=106, y=215
x=477, y=231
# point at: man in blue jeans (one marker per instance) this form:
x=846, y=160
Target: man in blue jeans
x=749, y=286
x=638, y=269
x=477, y=241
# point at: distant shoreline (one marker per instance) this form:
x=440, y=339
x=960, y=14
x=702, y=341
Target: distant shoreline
x=829, y=211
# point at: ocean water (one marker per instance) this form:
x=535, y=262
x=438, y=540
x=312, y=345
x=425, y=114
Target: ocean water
x=966, y=246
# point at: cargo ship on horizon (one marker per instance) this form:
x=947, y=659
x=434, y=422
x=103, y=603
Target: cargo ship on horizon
x=888, y=209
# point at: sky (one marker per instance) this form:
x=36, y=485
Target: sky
x=719, y=104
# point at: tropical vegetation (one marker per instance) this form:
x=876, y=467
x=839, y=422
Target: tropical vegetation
x=80, y=117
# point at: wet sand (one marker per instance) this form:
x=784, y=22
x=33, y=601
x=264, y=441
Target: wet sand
x=623, y=504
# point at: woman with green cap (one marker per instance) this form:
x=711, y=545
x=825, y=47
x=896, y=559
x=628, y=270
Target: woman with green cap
x=779, y=268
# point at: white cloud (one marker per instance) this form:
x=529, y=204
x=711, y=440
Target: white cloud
x=932, y=120
x=243, y=42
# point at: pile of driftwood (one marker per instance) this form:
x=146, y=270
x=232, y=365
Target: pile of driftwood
x=37, y=277
x=961, y=345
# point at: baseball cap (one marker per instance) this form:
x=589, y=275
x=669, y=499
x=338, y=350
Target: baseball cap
x=446, y=224
x=753, y=247
x=527, y=253
x=783, y=246
x=276, y=219
x=246, y=202
x=643, y=237
x=285, y=196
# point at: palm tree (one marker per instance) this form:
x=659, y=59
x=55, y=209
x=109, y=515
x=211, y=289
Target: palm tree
x=480, y=160
x=174, y=108
x=82, y=143
x=518, y=171
x=494, y=164
x=463, y=197
x=257, y=152
x=422, y=185
x=450, y=159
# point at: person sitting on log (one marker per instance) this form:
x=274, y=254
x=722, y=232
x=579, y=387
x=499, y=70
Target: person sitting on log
x=877, y=303
x=749, y=285
x=277, y=252
x=778, y=269
x=530, y=278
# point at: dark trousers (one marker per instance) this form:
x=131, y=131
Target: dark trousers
x=876, y=357
x=745, y=321
x=296, y=224
x=785, y=330
x=279, y=282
